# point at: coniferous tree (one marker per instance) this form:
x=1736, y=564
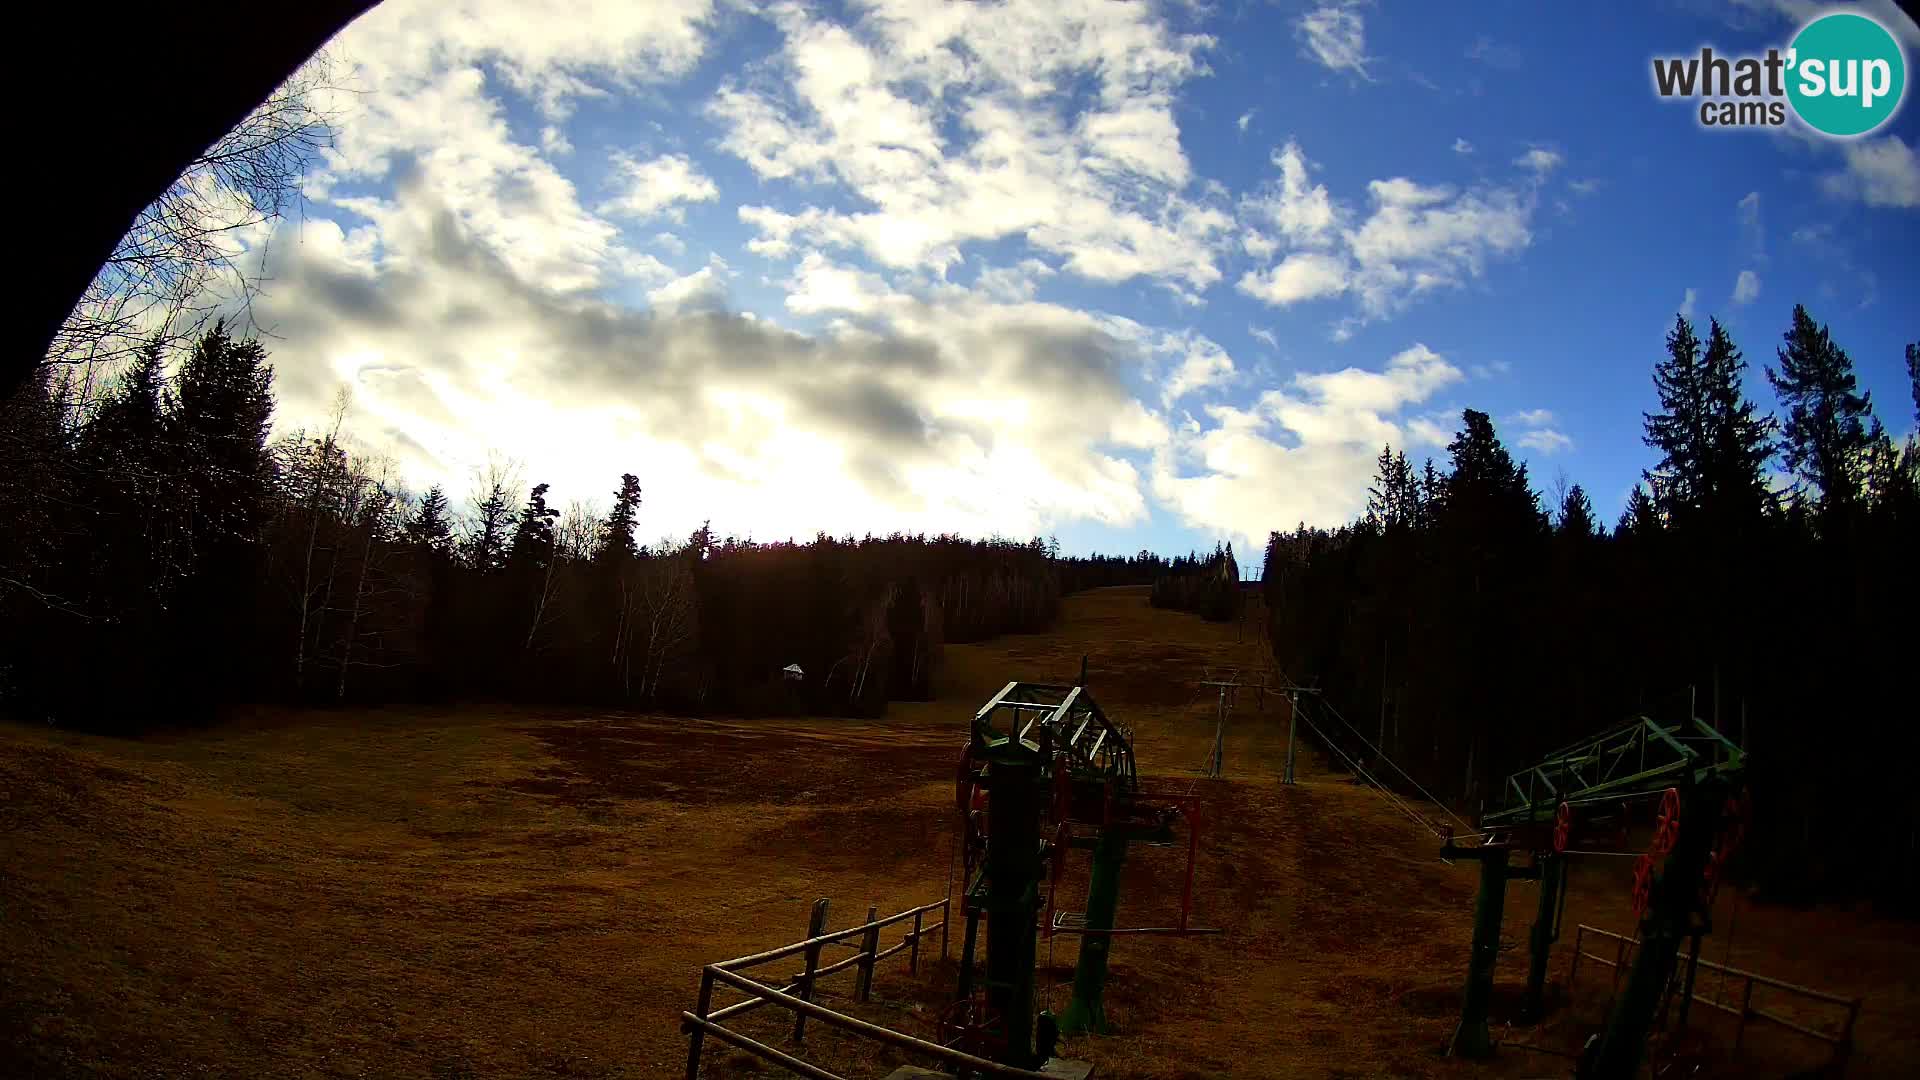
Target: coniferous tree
x=1487, y=492
x=1679, y=430
x=1430, y=493
x=1394, y=499
x=1576, y=514
x=1641, y=517
x=1380, y=497
x=1889, y=475
x=220, y=417
x=1825, y=437
x=533, y=532
x=35, y=489
x=1713, y=443
x=129, y=472
x=1734, y=485
x=1913, y=377
x=485, y=547
x=431, y=524
x=618, y=539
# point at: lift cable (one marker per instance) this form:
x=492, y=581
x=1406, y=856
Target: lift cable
x=1388, y=793
x=1396, y=768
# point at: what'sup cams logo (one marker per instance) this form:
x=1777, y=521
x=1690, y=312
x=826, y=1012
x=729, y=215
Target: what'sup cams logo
x=1843, y=75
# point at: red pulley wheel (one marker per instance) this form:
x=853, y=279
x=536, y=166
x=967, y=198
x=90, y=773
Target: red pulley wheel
x=1666, y=828
x=1642, y=884
x=1562, y=827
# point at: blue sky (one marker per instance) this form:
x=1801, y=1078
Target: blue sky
x=1132, y=275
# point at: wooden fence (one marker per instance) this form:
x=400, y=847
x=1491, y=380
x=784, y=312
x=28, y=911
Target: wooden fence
x=1840, y=1039
x=796, y=995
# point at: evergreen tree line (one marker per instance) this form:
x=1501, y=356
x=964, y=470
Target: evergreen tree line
x=162, y=555
x=1106, y=571
x=1472, y=630
x=1208, y=586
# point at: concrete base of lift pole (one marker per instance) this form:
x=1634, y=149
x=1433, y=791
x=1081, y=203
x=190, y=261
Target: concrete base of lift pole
x=1064, y=1068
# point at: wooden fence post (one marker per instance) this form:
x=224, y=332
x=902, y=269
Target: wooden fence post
x=869, y=946
x=1843, y=1050
x=697, y=1035
x=913, y=950
x=816, y=925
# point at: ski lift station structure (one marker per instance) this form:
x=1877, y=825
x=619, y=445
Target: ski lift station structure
x=1045, y=772
x=1587, y=790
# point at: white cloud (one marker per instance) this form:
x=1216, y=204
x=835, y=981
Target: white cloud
x=703, y=290
x=641, y=267
x=1203, y=364
x=941, y=412
x=819, y=286
x=1538, y=431
x=1018, y=282
x=656, y=188
x=1307, y=275
x=551, y=50
x=966, y=123
x=1303, y=453
x=1462, y=146
x=1028, y=143
x=1545, y=440
x=1135, y=428
x=1746, y=288
x=1334, y=35
x=1586, y=186
x=413, y=113
x=1686, y=303
x=1541, y=161
x=1301, y=210
x=1412, y=239
x=1490, y=369
x=1245, y=121
x=1879, y=172
x=1423, y=238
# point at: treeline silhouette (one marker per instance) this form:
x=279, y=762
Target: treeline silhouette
x=1207, y=586
x=1472, y=631
x=163, y=556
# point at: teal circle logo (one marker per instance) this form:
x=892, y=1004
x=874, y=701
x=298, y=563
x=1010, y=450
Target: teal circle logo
x=1846, y=74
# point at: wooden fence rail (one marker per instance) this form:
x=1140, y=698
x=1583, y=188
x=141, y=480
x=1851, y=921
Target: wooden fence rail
x=797, y=994
x=1840, y=1040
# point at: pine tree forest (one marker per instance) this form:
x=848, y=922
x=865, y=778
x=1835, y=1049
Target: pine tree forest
x=1762, y=575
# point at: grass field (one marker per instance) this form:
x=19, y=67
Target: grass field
x=508, y=892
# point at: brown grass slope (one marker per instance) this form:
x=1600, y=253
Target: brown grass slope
x=481, y=892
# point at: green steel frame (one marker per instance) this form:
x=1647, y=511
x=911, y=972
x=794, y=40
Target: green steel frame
x=1635, y=758
x=1032, y=737
x=1073, y=723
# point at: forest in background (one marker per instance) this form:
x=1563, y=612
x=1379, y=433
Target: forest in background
x=1475, y=630
x=1208, y=586
x=165, y=556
